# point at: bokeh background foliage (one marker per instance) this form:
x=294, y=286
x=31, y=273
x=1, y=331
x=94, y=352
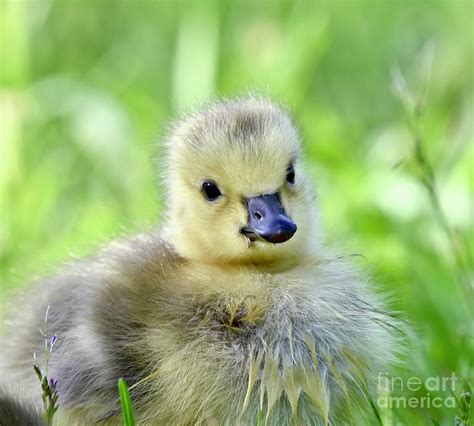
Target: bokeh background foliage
x=87, y=87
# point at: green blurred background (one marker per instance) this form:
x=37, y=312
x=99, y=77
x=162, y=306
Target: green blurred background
x=87, y=87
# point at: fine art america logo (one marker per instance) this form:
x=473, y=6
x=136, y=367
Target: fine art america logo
x=436, y=392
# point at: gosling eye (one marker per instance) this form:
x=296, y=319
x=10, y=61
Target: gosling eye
x=211, y=191
x=290, y=174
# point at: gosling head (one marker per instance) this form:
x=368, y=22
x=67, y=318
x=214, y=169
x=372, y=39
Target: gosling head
x=237, y=192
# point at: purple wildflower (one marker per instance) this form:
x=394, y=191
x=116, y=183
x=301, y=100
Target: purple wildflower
x=52, y=342
x=52, y=384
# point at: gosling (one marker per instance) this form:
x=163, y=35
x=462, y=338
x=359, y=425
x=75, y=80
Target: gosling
x=234, y=311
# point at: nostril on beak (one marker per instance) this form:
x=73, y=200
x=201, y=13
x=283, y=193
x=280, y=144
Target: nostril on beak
x=268, y=220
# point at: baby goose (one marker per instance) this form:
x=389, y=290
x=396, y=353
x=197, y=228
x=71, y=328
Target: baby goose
x=234, y=309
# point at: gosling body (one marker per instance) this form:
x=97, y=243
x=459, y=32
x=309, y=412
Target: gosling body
x=224, y=314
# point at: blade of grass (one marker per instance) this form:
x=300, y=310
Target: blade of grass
x=260, y=417
x=126, y=403
x=376, y=411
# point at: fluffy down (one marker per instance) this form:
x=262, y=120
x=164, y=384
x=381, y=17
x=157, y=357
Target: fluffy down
x=206, y=326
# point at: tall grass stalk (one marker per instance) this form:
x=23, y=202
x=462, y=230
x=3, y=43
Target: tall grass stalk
x=49, y=393
x=415, y=108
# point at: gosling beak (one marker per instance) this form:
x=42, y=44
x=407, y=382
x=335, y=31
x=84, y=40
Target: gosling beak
x=268, y=220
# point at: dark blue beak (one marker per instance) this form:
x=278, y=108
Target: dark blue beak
x=268, y=220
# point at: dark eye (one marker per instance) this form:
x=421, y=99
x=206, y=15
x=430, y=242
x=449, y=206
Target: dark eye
x=211, y=191
x=290, y=174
